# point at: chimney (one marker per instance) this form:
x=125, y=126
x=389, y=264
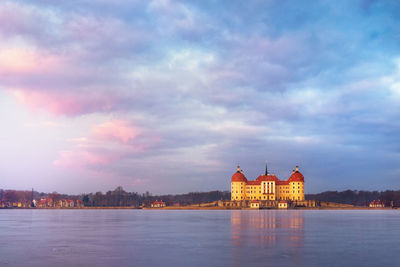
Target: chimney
x=238, y=168
x=297, y=168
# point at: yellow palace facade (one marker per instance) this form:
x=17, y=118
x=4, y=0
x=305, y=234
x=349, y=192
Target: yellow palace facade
x=267, y=187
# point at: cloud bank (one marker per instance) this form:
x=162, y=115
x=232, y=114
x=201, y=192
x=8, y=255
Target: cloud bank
x=183, y=91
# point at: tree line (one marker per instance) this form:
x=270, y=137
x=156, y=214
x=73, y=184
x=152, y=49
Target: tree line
x=25, y=196
x=116, y=198
x=121, y=198
x=358, y=198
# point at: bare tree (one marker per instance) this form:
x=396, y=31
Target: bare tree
x=10, y=196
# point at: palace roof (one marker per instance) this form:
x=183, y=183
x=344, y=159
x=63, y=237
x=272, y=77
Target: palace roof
x=254, y=182
x=295, y=177
x=269, y=178
x=282, y=182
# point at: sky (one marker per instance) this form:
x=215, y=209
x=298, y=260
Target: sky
x=170, y=96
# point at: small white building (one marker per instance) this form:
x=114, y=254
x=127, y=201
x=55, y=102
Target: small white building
x=377, y=204
x=282, y=205
x=158, y=204
x=254, y=204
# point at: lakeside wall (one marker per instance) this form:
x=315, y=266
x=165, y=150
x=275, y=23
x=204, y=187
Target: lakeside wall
x=273, y=204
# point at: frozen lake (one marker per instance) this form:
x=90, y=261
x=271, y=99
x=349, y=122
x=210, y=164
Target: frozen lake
x=199, y=238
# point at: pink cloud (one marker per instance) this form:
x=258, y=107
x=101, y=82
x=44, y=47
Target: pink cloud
x=41, y=80
x=64, y=103
x=59, y=84
x=21, y=61
x=106, y=144
x=78, y=159
x=117, y=130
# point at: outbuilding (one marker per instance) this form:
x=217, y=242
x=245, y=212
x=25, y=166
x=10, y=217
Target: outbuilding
x=282, y=205
x=254, y=204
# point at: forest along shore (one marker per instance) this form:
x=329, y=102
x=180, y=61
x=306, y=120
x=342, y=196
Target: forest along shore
x=120, y=199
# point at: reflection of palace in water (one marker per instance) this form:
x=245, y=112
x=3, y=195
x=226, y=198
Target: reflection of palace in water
x=266, y=229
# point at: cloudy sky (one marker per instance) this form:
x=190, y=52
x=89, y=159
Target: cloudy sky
x=169, y=96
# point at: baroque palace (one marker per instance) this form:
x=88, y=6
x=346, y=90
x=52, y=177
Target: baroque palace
x=267, y=187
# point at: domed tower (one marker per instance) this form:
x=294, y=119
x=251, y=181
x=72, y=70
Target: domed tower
x=296, y=185
x=238, y=185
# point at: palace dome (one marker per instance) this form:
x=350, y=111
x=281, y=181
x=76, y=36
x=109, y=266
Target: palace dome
x=239, y=177
x=296, y=177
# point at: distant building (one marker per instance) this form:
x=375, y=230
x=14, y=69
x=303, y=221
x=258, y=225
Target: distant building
x=62, y=203
x=79, y=203
x=44, y=203
x=158, y=204
x=377, y=204
x=267, y=187
x=70, y=203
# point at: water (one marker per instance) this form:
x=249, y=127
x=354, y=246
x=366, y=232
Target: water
x=199, y=238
